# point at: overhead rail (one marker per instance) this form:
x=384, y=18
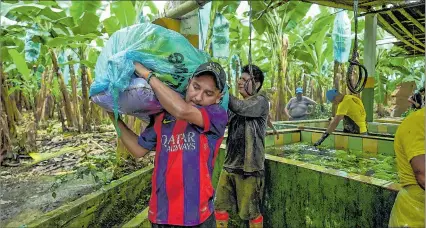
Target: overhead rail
x=185, y=8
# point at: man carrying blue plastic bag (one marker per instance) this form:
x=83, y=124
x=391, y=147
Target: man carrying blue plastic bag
x=186, y=138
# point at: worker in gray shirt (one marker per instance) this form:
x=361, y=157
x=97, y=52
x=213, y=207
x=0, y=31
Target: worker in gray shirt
x=240, y=186
x=297, y=107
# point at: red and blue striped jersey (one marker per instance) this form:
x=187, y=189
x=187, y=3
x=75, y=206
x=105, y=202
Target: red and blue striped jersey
x=182, y=192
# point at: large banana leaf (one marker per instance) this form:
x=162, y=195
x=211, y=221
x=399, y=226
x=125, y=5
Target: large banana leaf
x=125, y=12
x=20, y=63
x=78, y=8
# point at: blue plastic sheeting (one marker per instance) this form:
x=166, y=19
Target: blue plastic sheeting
x=167, y=53
x=220, y=37
x=342, y=37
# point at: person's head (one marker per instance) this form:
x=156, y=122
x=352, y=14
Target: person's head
x=299, y=93
x=334, y=96
x=245, y=84
x=206, y=85
x=422, y=91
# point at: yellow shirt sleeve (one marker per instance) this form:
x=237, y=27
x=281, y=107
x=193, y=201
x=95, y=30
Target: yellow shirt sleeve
x=415, y=139
x=343, y=108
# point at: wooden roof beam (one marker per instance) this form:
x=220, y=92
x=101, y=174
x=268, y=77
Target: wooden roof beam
x=410, y=35
x=396, y=34
x=374, y=3
x=412, y=19
x=410, y=22
x=347, y=6
x=394, y=7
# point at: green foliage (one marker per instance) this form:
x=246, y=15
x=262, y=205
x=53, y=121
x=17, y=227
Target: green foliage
x=111, y=25
x=78, y=8
x=88, y=24
x=124, y=11
x=321, y=111
x=379, y=166
x=55, y=90
x=20, y=63
x=91, y=166
x=25, y=82
x=74, y=25
x=313, y=47
x=20, y=7
x=392, y=70
x=407, y=113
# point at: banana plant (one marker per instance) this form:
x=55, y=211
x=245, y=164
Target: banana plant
x=55, y=22
x=225, y=8
x=315, y=51
x=276, y=23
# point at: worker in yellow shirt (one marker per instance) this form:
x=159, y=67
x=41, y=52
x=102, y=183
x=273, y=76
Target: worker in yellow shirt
x=409, y=207
x=350, y=109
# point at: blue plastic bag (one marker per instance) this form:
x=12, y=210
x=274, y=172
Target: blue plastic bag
x=342, y=37
x=137, y=99
x=220, y=40
x=169, y=54
x=32, y=49
x=164, y=51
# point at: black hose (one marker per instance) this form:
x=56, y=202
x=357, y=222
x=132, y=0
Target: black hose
x=362, y=71
x=253, y=85
x=360, y=81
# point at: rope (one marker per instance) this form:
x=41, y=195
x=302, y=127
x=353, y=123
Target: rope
x=246, y=83
x=201, y=29
x=362, y=71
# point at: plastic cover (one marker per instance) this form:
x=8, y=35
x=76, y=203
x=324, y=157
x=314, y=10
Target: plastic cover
x=167, y=53
x=409, y=208
x=342, y=37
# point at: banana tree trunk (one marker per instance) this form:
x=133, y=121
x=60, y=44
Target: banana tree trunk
x=94, y=109
x=342, y=84
x=122, y=154
x=85, y=92
x=5, y=123
x=279, y=106
x=209, y=37
x=19, y=101
x=42, y=95
x=305, y=83
x=237, y=75
x=23, y=100
x=71, y=120
x=296, y=79
x=386, y=94
x=61, y=115
x=8, y=107
x=48, y=105
x=74, y=95
x=229, y=68
x=338, y=75
x=287, y=85
x=273, y=79
x=16, y=112
x=320, y=95
x=282, y=97
x=5, y=144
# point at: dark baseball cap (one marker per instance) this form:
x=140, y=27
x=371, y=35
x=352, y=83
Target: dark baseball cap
x=214, y=69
